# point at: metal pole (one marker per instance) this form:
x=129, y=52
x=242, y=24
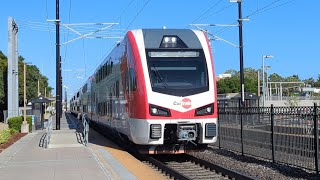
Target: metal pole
x=267, y=86
x=38, y=87
x=272, y=132
x=316, y=138
x=242, y=104
x=24, y=94
x=241, y=54
x=263, y=85
x=60, y=87
x=58, y=106
x=258, y=73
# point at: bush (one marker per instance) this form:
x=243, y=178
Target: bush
x=6, y=134
x=15, y=123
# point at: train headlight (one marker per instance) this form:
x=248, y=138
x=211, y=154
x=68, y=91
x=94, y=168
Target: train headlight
x=209, y=109
x=205, y=110
x=158, y=111
x=154, y=111
x=166, y=39
x=172, y=42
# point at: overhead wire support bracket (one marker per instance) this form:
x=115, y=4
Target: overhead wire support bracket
x=88, y=34
x=219, y=25
x=214, y=36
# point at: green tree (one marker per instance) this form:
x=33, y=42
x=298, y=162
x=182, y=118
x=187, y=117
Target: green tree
x=3, y=80
x=232, y=84
x=310, y=81
x=33, y=74
x=276, y=78
x=317, y=82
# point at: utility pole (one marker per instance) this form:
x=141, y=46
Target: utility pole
x=65, y=98
x=242, y=104
x=24, y=125
x=58, y=75
x=39, y=86
x=258, y=74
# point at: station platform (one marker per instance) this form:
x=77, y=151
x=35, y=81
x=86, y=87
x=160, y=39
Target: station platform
x=66, y=158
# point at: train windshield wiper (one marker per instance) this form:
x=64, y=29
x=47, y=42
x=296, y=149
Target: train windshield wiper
x=158, y=77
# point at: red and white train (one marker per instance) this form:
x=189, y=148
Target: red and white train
x=157, y=88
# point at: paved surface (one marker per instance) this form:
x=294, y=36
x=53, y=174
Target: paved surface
x=65, y=158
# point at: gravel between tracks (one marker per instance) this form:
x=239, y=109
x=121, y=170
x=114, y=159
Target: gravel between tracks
x=258, y=169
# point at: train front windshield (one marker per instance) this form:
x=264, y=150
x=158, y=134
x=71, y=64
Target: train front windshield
x=178, y=73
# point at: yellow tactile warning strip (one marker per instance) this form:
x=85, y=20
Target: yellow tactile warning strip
x=139, y=169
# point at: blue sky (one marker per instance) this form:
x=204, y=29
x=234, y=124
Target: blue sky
x=287, y=29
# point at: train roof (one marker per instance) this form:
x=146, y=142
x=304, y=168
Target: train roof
x=153, y=37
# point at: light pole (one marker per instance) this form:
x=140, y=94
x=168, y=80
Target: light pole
x=58, y=68
x=25, y=125
x=263, y=83
x=267, y=86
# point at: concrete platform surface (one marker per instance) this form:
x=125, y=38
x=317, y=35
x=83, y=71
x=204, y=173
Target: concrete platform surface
x=65, y=159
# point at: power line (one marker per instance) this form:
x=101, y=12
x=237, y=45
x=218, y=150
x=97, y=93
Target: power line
x=66, y=49
x=123, y=32
x=214, y=5
x=274, y=7
x=145, y=4
x=258, y=11
x=51, y=42
x=124, y=10
x=222, y=9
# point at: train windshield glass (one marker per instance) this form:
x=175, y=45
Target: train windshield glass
x=178, y=73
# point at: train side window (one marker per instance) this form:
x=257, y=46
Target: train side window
x=110, y=104
x=133, y=82
x=127, y=82
x=117, y=89
x=105, y=108
x=111, y=66
x=105, y=69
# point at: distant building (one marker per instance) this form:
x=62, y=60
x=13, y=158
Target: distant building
x=223, y=76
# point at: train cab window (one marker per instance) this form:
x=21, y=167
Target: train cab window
x=178, y=73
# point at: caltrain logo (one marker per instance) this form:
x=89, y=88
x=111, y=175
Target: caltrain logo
x=185, y=103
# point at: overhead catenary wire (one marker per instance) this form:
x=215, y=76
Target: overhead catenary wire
x=216, y=12
x=214, y=5
x=122, y=34
x=145, y=4
x=258, y=11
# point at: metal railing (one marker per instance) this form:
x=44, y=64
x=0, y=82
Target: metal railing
x=288, y=135
x=85, y=132
x=49, y=131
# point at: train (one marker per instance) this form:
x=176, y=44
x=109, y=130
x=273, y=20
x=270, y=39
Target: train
x=157, y=89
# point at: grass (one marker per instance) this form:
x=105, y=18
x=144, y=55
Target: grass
x=6, y=134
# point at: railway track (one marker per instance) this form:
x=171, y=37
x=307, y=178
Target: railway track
x=189, y=167
x=180, y=167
